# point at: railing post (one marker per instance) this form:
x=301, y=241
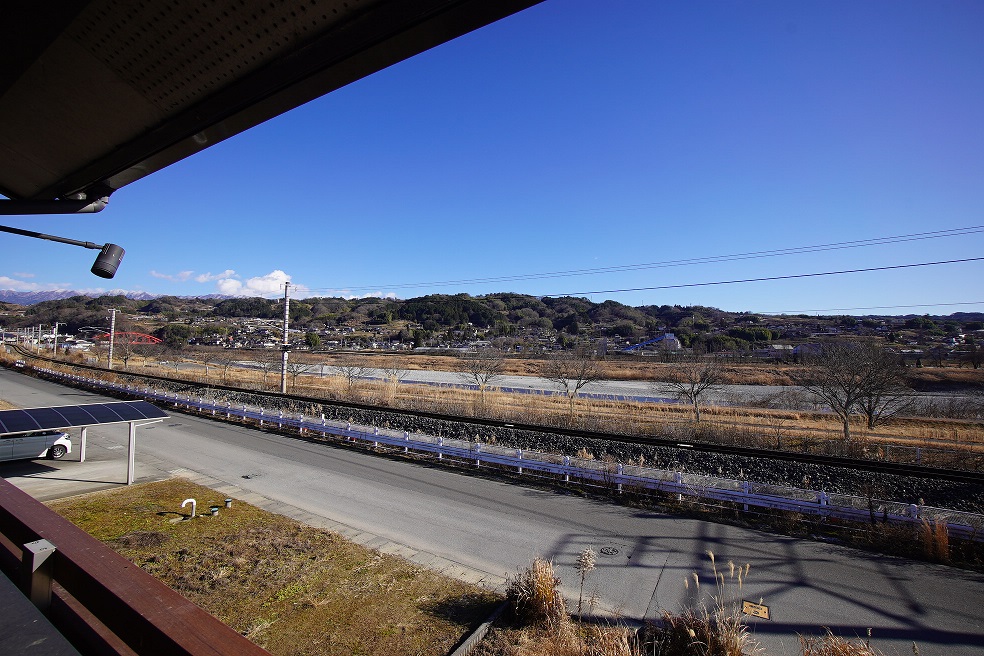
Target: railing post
x=228, y=409
x=244, y=413
x=618, y=472
x=324, y=423
x=280, y=420
x=37, y=567
x=261, y=416
x=300, y=423
x=406, y=438
x=478, y=454
x=519, y=454
x=440, y=445
x=678, y=479
x=567, y=466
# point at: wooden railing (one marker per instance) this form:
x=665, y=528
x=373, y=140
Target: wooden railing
x=101, y=602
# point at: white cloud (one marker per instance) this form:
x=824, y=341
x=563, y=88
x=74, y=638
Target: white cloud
x=229, y=287
x=22, y=275
x=18, y=285
x=209, y=277
x=178, y=277
x=271, y=283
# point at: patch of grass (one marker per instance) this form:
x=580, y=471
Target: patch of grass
x=290, y=588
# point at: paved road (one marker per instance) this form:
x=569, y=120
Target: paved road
x=484, y=530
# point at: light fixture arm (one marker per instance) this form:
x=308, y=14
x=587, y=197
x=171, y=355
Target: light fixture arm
x=106, y=263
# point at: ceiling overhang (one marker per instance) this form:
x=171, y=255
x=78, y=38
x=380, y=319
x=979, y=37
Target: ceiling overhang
x=95, y=94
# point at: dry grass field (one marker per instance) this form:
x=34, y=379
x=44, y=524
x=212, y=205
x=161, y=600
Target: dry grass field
x=289, y=588
x=764, y=427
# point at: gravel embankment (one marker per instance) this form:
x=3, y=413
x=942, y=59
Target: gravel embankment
x=832, y=480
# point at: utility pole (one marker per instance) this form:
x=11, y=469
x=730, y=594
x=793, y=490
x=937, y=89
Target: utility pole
x=54, y=349
x=286, y=344
x=112, y=335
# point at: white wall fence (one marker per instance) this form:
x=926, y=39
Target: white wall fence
x=616, y=476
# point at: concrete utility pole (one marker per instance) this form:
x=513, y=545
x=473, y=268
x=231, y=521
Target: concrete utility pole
x=112, y=335
x=286, y=344
x=54, y=349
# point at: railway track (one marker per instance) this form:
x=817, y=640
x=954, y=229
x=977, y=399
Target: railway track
x=858, y=464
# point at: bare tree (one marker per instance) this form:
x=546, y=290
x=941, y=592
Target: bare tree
x=482, y=368
x=267, y=362
x=392, y=376
x=352, y=369
x=571, y=371
x=207, y=356
x=295, y=369
x=857, y=377
x=885, y=394
x=693, y=377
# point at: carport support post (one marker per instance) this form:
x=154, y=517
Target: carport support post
x=82, y=437
x=131, y=452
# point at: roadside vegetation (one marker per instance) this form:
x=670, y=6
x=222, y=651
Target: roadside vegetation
x=290, y=588
x=948, y=432
x=539, y=624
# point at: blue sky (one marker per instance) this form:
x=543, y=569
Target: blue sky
x=581, y=136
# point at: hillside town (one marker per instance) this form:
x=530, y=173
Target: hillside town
x=512, y=323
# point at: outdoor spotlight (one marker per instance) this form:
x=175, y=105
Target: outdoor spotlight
x=108, y=261
x=106, y=264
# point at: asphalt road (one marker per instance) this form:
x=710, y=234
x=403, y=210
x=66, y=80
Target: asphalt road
x=485, y=530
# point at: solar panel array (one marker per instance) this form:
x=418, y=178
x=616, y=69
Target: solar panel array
x=67, y=416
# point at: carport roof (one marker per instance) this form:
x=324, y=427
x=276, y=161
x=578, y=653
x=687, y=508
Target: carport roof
x=68, y=416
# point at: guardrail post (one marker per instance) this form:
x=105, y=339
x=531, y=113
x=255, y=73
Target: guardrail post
x=519, y=455
x=300, y=423
x=678, y=479
x=375, y=431
x=440, y=444
x=280, y=420
x=478, y=454
x=823, y=499
x=324, y=423
x=567, y=466
x=38, y=567
x=244, y=413
x=228, y=409
x=261, y=416
x=619, y=471
x=406, y=438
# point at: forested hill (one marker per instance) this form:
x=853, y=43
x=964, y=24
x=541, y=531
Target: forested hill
x=563, y=319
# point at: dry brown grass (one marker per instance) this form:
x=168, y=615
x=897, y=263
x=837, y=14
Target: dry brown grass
x=749, y=426
x=935, y=539
x=290, y=588
x=831, y=645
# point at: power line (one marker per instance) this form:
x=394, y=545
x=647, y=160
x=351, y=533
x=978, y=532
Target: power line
x=789, y=277
x=711, y=259
x=874, y=307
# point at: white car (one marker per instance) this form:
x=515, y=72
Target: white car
x=52, y=444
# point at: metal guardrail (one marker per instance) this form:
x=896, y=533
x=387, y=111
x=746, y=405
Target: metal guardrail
x=101, y=602
x=620, y=477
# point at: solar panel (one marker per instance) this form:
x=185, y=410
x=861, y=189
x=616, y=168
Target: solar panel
x=67, y=416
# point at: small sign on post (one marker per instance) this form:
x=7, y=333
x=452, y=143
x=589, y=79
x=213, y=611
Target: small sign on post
x=755, y=610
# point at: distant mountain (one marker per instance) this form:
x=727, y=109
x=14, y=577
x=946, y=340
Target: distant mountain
x=30, y=298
